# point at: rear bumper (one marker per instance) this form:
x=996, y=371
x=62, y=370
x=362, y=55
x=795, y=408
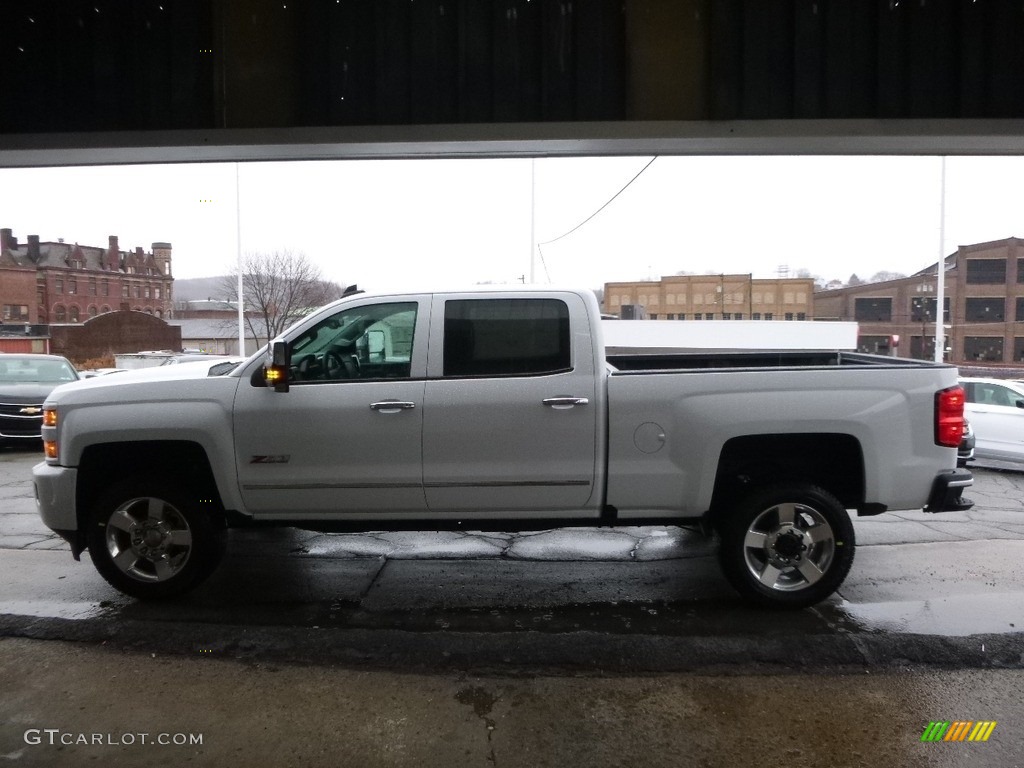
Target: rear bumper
x=947, y=491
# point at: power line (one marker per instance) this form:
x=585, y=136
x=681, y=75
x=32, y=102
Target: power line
x=548, y=242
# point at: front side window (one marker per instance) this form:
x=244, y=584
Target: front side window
x=506, y=337
x=985, y=393
x=367, y=342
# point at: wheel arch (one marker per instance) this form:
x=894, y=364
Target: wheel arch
x=181, y=462
x=832, y=461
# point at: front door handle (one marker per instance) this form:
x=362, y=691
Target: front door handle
x=561, y=403
x=392, y=406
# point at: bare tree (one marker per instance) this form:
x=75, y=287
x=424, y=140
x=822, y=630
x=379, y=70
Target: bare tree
x=885, y=276
x=279, y=288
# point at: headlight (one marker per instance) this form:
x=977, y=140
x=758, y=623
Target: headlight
x=49, y=433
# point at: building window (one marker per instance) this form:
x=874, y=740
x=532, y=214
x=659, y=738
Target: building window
x=1020, y=309
x=92, y=287
x=73, y=313
x=756, y=316
x=72, y=286
x=922, y=309
x=138, y=292
x=105, y=309
x=789, y=315
x=739, y=315
x=92, y=310
x=801, y=315
x=698, y=316
x=922, y=347
x=986, y=271
x=156, y=292
x=709, y=315
x=124, y=292
x=984, y=348
x=670, y=316
x=145, y=293
x=1018, y=350
x=727, y=315
x=106, y=287
x=58, y=285
x=1020, y=270
x=988, y=310
x=769, y=316
x=680, y=316
x=875, y=310
x=60, y=314
x=873, y=345
x=654, y=316
x=159, y=314
x=15, y=313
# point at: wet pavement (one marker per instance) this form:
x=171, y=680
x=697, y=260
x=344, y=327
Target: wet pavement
x=593, y=647
x=943, y=589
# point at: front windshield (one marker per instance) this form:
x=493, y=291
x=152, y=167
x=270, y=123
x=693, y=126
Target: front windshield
x=34, y=370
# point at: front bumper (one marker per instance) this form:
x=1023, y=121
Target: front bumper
x=55, y=489
x=947, y=491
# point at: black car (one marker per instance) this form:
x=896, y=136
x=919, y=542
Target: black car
x=25, y=382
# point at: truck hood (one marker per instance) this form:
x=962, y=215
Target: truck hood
x=112, y=382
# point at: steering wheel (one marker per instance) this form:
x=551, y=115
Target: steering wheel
x=340, y=366
x=308, y=368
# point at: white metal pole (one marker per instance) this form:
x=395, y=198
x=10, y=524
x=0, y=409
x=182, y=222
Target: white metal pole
x=533, y=209
x=940, y=279
x=238, y=255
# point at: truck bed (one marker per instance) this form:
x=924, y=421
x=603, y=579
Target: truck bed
x=656, y=362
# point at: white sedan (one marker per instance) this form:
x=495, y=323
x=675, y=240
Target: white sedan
x=995, y=408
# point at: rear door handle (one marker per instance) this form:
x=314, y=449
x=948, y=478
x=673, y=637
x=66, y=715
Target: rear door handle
x=392, y=406
x=561, y=403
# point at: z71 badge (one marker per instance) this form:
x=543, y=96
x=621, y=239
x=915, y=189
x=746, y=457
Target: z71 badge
x=283, y=459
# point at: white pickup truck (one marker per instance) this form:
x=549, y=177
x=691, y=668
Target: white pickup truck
x=498, y=410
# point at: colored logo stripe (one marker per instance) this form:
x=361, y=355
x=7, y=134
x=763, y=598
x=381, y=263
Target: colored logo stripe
x=958, y=730
x=982, y=731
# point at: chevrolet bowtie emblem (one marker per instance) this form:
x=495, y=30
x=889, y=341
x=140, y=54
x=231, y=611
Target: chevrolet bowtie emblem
x=31, y=410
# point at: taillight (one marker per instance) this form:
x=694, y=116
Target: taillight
x=949, y=417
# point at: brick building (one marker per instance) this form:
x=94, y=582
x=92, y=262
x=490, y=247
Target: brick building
x=52, y=283
x=983, y=308
x=712, y=297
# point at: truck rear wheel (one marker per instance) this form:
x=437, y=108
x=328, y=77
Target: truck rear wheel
x=151, y=541
x=787, y=546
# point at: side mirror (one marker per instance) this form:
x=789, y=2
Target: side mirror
x=276, y=374
x=375, y=344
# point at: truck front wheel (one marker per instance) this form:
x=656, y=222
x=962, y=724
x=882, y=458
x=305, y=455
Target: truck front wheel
x=151, y=540
x=787, y=546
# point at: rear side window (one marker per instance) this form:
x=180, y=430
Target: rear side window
x=506, y=337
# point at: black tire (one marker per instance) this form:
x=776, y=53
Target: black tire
x=786, y=546
x=152, y=540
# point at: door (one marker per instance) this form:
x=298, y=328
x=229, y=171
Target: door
x=346, y=439
x=996, y=413
x=510, y=422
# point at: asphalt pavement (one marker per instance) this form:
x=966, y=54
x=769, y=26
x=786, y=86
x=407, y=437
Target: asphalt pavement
x=593, y=646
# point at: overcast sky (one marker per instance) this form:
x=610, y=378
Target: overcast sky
x=401, y=224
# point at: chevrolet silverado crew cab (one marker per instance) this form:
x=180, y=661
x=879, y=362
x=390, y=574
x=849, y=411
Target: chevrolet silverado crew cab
x=491, y=410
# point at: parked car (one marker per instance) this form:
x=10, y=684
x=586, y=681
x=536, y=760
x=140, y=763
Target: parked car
x=965, y=452
x=995, y=409
x=25, y=382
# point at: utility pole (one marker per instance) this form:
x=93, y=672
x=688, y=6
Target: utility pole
x=940, y=287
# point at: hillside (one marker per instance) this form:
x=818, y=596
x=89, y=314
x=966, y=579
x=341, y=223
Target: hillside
x=198, y=288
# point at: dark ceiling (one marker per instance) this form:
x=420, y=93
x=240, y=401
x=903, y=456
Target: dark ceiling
x=77, y=74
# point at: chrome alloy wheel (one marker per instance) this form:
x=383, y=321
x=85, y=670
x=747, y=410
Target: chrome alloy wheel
x=789, y=547
x=148, y=539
